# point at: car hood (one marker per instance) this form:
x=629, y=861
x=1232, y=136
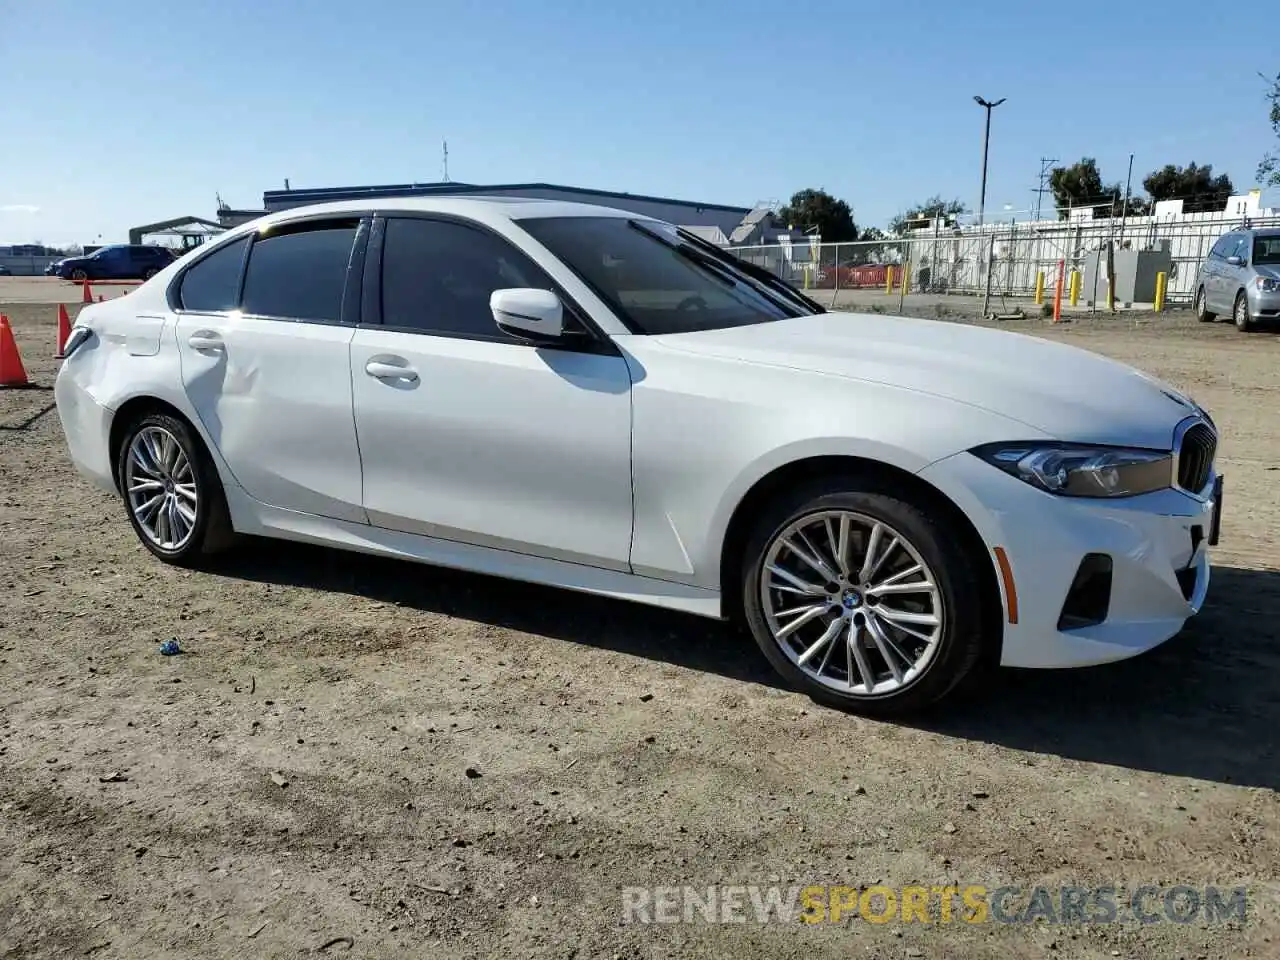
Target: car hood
x=1066, y=392
x=1267, y=270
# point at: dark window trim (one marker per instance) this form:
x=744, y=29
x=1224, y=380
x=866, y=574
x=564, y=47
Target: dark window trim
x=350, y=309
x=593, y=339
x=371, y=282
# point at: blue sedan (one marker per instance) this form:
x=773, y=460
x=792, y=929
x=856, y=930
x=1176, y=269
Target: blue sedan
x=120, y=261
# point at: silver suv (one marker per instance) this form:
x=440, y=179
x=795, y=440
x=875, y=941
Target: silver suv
x=1241, y=276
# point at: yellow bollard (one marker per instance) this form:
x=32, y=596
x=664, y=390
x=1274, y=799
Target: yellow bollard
x=808, y=272
x=906, y=276
x=1075, y=287
x=1161, y=282
x=1039, y=287
x=888, y=279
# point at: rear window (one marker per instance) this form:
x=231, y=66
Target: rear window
x=300, y=275
x=213, y=283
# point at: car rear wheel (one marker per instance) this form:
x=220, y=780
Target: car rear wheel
x=171, y=490
x=864, y=599
x=1203, y=315
x=79, y=275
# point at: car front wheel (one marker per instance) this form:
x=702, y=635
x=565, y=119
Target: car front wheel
x=864, y=599
x=170, y=487
x=1202, y=302
x=79, y=275
x=1241, y=315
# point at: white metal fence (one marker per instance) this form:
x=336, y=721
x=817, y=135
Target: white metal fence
x=1004, y=259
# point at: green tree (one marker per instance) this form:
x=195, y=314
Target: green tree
x=1269, y=168
x=816, y=208
x=933, y=208
x=1080, y=185
x=1196, y=186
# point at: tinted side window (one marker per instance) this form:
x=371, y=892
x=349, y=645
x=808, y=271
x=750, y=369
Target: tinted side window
x=437, y=277
x=300, y=275
x=213, y=283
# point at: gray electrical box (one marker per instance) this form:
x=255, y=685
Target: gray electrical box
x=1135, y=274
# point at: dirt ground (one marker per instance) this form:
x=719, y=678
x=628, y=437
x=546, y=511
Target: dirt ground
x=300, y=773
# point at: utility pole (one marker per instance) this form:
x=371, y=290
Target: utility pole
x=987, y=105
x=446, y=161
x=1124, y=211
x=1043, y=183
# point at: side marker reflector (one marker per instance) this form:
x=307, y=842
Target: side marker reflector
x=1010, y=591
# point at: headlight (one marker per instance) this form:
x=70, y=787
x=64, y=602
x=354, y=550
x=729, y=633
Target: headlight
x=1267, y=284
x=1075, y=470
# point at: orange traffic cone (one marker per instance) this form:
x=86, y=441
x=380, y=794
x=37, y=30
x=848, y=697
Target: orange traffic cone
x=88, y=294
x=12, y=372
x=64, y=331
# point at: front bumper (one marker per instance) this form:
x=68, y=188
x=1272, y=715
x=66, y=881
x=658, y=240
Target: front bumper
x=1264, y=305
x=1157, y=543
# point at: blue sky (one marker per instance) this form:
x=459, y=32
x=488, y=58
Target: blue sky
x=119, y=113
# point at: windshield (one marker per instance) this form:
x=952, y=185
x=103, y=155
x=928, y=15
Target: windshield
x=656, y=281
x=1266, y=249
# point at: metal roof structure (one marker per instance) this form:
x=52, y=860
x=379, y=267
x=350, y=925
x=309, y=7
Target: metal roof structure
x=742, y=232
x=198, y=229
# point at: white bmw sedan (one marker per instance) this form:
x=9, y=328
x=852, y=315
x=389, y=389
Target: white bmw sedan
x=594, y=400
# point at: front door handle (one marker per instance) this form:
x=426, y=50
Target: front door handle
x=205, y=340
x=383, y=370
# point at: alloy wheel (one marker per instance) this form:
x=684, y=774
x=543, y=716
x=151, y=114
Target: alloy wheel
x=1242, y=312
x=851, y=602
x=161, y=487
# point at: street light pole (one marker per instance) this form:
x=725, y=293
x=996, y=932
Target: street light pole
x=986, y=141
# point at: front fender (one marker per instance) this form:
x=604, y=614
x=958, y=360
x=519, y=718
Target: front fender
x=706, y=431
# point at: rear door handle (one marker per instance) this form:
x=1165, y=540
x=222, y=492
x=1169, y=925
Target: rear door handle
x=205, y=340
x=384, y=369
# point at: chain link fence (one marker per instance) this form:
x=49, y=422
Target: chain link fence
x=1010, y=259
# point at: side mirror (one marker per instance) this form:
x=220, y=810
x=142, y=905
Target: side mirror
x=1235, y=261
x=528, y=313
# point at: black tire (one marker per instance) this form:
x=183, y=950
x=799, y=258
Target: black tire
x=938, y=540
x=212, y=532
x=148, y=273
x=79, y=275
x=1203, y=315
x=1240, y=313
